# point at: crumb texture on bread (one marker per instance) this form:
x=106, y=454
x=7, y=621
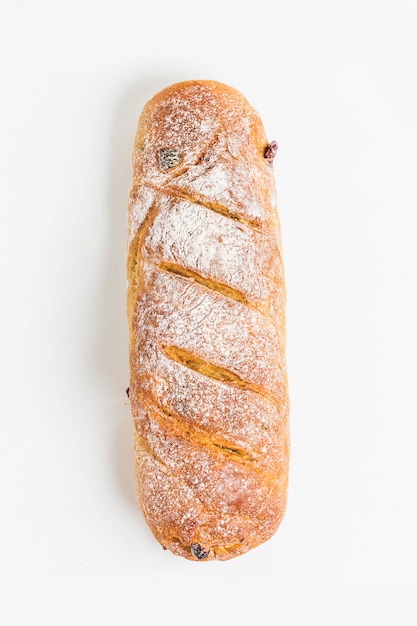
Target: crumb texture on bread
x=206, y=311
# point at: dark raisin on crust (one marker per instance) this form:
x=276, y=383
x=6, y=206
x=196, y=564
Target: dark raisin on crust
x=168, y=158
x=198, y=552
x=127, y=391
x=270, y=151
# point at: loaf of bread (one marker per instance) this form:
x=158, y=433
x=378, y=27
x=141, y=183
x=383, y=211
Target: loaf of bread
x=206, y=298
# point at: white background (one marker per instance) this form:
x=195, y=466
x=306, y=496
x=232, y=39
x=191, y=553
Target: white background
x=335, y=84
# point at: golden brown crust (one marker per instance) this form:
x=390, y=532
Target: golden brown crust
x=206, y=300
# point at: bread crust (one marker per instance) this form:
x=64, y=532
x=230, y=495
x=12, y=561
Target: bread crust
x=206, y=314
